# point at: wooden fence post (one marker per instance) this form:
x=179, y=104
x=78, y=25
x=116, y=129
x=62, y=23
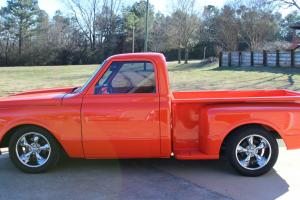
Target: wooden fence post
x=265, y=58
x=292, y=58
x=277, y=58
x=252, y=59
x=229, y=59
x=221, y=59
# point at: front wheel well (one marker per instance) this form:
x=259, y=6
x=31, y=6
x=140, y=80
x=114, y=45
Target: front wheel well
x=231, y=134
x=8, y=135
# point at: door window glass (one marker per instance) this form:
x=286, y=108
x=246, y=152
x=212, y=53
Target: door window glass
x=127, y=78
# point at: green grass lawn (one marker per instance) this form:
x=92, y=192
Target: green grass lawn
x=193, y=76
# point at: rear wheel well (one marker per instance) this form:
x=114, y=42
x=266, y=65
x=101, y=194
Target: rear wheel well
x=8, y=135
x=231, y=134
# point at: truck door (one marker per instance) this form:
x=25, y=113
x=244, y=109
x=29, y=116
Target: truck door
x=121, y=118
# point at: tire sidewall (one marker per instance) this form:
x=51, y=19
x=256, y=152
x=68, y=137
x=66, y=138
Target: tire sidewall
x=241, y=134
x=54, y=155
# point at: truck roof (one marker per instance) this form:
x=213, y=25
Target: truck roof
x=146, y=55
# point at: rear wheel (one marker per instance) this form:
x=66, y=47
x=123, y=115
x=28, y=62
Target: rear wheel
x=33, y=150
x=252, y=151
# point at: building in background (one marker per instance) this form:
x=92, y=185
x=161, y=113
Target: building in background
x=296, y=37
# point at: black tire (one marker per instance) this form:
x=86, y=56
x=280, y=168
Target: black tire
x=241, y=137
x=53, y=155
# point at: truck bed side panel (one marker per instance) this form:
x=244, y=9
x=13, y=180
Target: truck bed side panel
x=222, y=119
x=202, y=127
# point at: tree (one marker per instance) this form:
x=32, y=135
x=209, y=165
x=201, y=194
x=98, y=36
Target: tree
x=20, y=16
x=131, y=21
x=209, y=30
x=61, y=31
x=159, y=36
x=5, y=41
x=184, y=26
x=85, y=14
x=97, y=21
x=257, y=26
x=208, y=33
x=108, y=25
x=240, y=24
x=137, y=12
x=286, y=33
x=228, y=29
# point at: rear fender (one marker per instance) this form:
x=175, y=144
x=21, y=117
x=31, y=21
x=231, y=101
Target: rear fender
x=221, y=120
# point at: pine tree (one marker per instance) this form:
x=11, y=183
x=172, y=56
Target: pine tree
x=21, y=16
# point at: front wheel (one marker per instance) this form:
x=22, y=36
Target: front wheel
x=33, y=150
x=252, y=151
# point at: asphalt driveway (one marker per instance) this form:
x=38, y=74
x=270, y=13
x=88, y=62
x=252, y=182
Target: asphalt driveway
x=151, y=179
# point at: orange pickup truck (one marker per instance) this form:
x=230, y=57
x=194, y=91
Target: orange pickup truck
x=126, y=110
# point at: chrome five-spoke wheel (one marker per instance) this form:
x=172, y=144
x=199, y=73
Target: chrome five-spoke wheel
x=252, y=150
x=33, y=149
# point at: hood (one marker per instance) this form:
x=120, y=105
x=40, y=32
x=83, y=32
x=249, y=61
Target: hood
x=47, y=97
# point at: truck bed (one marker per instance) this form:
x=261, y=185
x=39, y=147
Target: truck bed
x=196, y=130
x=236, y=96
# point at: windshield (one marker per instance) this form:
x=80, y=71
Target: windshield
x=90, y=79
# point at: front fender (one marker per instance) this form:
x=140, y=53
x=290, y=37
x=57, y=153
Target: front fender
x=62, y=122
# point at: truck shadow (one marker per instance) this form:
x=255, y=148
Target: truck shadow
x=138, y=179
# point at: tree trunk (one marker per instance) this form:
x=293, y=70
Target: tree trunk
x=204, y=53
x=179, y=55
x=133, y=39
x=6, y=52
x=20, y=41
x=186, y=55
x=94, y=41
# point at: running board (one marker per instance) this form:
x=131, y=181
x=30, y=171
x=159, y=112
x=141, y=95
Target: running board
x=195, y=156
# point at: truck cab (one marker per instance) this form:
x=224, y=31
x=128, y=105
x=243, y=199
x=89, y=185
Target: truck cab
x=126, y=110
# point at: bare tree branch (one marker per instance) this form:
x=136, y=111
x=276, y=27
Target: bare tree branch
x=288, y=3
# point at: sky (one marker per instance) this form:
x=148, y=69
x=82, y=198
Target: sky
x=50, y=6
